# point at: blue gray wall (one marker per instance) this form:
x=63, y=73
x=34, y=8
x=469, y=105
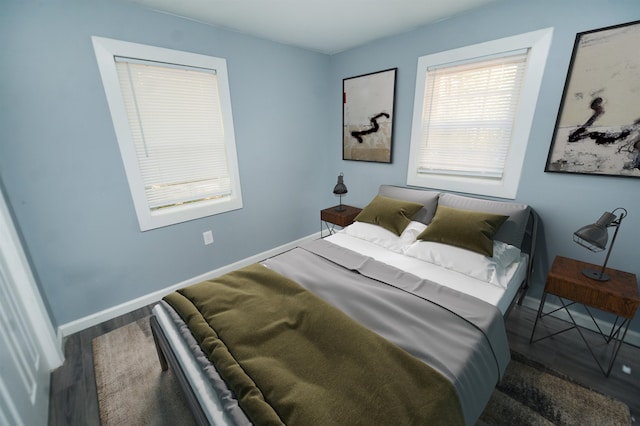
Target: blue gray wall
x=564, y=202
x=64, y=178
x=60, y=166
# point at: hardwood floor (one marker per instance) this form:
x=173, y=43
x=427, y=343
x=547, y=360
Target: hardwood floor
x=566, y=353
x=73, y=388
x=74, y=399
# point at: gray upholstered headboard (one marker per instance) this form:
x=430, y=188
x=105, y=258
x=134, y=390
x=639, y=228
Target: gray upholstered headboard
x=511, y=232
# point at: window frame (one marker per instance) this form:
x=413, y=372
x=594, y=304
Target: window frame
x=538, y=43
x=106, y=50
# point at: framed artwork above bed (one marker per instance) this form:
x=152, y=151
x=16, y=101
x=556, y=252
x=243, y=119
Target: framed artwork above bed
x=367, y=116
x=598, y=125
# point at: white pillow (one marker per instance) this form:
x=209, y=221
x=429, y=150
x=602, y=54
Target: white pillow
x=412, y=231
x=382, y=237
x=475, y=265
x=504, y=253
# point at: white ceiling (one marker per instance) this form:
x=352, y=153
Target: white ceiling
x=327, y=26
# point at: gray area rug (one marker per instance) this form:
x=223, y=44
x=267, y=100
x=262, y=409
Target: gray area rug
x=531, y=394
x=132, y=390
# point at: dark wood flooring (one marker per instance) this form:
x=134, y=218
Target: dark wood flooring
x=566, y=353
x=73, y=388
x=74, y=399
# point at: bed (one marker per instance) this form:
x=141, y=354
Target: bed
x=397, y=318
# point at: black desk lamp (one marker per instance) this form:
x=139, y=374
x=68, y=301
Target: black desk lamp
x=340, y=189
x=594, y=237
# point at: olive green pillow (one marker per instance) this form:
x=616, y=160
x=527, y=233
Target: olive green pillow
x=467, y=229
x=393, y=215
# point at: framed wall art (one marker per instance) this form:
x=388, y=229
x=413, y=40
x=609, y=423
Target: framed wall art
x=367, y=116
x=598, y=125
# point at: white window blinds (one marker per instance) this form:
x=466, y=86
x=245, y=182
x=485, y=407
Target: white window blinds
x=468, y=113
x=175, y=118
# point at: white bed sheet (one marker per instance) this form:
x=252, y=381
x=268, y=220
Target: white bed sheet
x=495, y=295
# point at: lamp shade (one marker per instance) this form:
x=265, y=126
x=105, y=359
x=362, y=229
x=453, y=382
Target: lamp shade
x=595, y=237
x=340, y=187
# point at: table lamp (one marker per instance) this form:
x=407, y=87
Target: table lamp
x=595, y=236
x=340, y=189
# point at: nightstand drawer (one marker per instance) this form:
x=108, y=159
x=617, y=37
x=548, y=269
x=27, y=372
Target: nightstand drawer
x=618, y=296
x=340, y=218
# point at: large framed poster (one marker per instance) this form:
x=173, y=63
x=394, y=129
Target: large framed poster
x=367, y=116
x=598, y=126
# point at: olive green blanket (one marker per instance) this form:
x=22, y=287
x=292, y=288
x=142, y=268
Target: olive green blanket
x=291, y=358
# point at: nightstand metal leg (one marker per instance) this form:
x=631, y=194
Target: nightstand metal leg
x=538, y=315
x=617, y=328
x=616, y=346
x=330, y=228
x=542, y=314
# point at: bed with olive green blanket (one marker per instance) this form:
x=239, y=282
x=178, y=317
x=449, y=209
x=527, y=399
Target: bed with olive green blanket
x=322, y=335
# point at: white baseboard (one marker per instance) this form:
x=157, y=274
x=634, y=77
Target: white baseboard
x=582, y=319
x=115, y=311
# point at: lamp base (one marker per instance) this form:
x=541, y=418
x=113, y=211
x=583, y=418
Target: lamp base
x=595, y=275
x=340, y=208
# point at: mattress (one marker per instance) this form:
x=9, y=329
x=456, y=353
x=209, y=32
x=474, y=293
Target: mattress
x=499, y=296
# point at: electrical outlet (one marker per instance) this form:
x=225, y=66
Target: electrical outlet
x=207, y=236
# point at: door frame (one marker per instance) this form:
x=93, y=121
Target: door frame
x=27, y=293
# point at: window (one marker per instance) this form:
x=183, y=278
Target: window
x=171, y=111
x=472, y=114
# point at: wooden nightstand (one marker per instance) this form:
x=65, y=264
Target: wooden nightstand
x=618, y=296
x=331, y=217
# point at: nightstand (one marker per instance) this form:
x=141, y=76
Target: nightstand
x=618, y=296
x=331, y=217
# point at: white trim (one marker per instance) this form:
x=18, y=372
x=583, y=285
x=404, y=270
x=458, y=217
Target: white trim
x=539, y=43
x=113, y=312
x=583, y=320
x=8, y=413
x=106, y=50
x=27, y=292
